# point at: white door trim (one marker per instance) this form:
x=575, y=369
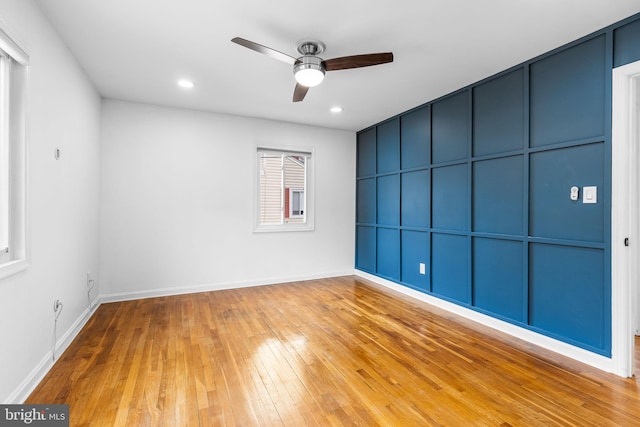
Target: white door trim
x=624, y=217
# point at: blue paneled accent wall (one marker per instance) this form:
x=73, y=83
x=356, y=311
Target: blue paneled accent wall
x=475, y=186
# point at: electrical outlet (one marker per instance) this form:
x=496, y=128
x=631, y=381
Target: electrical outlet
x=56, y=305
x=423, y=268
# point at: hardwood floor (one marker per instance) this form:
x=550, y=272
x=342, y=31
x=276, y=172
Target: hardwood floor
x=331, y=352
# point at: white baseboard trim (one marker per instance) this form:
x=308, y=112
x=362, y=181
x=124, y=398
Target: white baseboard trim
x=42, y=368
x=162, y=292
x=562, y=348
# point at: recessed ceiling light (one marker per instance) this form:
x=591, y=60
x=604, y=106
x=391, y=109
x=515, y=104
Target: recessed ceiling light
x=336, y=109
x=187, y=84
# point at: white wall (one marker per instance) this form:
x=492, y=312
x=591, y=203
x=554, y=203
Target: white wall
x=178, y=203
x=63, y=111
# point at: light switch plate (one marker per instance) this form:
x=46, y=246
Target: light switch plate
x=589, y=194
x=423, y=268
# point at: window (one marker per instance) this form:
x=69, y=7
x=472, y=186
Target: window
x=283, y=195
x=13, y=73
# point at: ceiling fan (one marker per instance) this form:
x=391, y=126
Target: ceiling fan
x=309, y=69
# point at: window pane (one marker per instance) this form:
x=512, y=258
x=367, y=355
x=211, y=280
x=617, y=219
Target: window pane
x=270, y=189
x=295, y=180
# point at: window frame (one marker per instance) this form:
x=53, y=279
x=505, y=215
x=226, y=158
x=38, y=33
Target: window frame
x=14, y=68
x=308, y=190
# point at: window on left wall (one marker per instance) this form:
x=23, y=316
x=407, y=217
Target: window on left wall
x=13, y=80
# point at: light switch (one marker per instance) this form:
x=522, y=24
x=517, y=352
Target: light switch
x=589, y=194
x=423, y=268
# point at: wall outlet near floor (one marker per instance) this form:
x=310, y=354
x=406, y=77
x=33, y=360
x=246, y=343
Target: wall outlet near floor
x=423, y=268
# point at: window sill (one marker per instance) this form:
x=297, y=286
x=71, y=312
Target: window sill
x=12, y=267
x=282, y=228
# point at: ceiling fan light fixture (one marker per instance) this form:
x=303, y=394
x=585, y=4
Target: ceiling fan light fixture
x=309, y=77
x=309, y=71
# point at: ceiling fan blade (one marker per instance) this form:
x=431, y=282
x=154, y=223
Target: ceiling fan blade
x=264, y=50
x=299, y=92
x=357, y=61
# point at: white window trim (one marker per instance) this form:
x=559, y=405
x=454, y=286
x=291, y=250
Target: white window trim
x=309, y=224
x=5, y=152
x=18, y=254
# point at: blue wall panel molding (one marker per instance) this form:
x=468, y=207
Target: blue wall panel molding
x=475, y=185
x=367, y=153
x=415, y=198
x=568, y=293
x=388, y=253
x=450, y=128
x=416, y=138
x=388, y=153
x=450, y=267
x=366, y=201
x=626, y=46
x=567, y=94
x=366, y=249
x=450, y=197
x=415, y=251
x=553, y=172
x=498, y=202
x=498, y=115
x=498, y=278
x=388, y=200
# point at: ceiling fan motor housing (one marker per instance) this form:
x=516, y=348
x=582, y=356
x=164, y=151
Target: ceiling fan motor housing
x=310, y=47
x=308, y=62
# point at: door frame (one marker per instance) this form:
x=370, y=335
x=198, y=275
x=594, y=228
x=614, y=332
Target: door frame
x=625, y=217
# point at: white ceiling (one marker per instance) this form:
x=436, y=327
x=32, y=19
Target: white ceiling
x=137, y=49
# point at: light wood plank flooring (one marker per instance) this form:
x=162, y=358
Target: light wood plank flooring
x=328, y=352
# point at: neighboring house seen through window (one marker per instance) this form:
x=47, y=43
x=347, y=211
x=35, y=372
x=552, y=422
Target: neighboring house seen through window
x=294, y=202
